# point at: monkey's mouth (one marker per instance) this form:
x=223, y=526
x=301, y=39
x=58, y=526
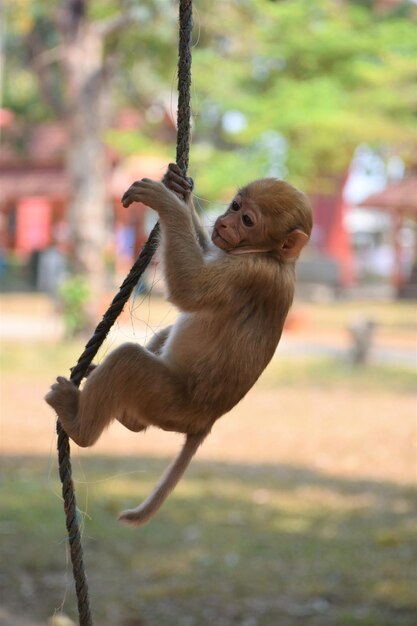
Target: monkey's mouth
x=216, y=235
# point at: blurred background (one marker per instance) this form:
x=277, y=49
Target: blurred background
x=300, y=507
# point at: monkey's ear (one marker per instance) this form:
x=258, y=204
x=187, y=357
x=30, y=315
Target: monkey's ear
x=293, y=244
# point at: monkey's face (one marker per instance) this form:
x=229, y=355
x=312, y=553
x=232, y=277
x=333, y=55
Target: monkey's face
x=268, y=215
x=241, y=228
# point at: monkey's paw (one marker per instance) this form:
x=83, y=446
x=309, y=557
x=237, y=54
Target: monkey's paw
x=177, y=182
x=63, y=397
x=151, y=193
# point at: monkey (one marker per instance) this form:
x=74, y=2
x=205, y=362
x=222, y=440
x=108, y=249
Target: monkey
x=233, y=289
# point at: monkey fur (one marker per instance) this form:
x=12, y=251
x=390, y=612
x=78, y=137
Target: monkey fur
x=233, y=292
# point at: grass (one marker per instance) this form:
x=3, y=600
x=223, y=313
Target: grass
x=400, y=316
x=331, y=373
x=236, y=545
x=299, y=509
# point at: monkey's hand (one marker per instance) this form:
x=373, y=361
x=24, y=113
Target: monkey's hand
x=183, y=186
x=154, y=194
x=175, y=180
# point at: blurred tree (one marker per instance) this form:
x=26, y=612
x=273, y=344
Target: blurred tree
x=87, y=72
x=69, y=46
x=280, y=87
x=323, y=76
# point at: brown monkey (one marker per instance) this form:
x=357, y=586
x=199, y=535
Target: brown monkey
x=234, y=294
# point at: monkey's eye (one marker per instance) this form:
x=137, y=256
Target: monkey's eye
x=248, y=221
x=235, y=206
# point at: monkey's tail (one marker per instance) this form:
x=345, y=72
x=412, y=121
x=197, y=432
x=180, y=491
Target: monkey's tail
x=168, y=481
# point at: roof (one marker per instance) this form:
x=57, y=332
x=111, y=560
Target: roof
x=401, y=196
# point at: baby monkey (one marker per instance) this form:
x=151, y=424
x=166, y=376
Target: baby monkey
x=234, y=292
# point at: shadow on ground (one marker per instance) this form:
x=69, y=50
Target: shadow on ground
x=236, y=545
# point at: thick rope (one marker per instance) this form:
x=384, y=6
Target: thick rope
x=184, y=84
x=79, y=371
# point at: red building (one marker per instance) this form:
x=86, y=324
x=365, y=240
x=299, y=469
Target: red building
x=34, y=193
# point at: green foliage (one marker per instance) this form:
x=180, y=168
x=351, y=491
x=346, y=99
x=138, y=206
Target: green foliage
x=332, y=373
x=74, y=294
x=128, y=143
x=27, y=22
x=325, y=76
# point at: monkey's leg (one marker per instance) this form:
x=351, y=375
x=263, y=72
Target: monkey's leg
x=130, y=422
x=155, y=346
x=64, y=397
x=132, y=385
x=137, y=388
x=84, y=414
x=142, y=387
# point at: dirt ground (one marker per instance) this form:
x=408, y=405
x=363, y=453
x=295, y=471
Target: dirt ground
x=350, y=429
x=346, y=431
x=371, y=435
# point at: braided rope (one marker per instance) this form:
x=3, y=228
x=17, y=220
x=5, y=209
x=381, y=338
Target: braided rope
x=80, y=369
x=184, y=84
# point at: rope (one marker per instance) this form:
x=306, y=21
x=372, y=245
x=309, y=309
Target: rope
x=80, y=369
x=184, y=84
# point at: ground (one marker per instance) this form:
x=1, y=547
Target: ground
x=299, y=508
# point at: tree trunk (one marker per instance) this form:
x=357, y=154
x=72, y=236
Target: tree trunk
x=87, y=165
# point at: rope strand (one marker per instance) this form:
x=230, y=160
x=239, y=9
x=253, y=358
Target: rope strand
x=116, y=307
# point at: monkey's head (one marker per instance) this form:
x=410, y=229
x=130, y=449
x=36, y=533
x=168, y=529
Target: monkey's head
x=268, y=215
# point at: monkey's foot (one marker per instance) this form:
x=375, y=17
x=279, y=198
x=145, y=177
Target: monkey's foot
x=63, y=397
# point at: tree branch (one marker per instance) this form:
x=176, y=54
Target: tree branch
x=41, y=62
x=114, y=24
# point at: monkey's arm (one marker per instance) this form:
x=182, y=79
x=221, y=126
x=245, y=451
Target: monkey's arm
x=189, y=277
x=202, y=235
x=183, y=186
